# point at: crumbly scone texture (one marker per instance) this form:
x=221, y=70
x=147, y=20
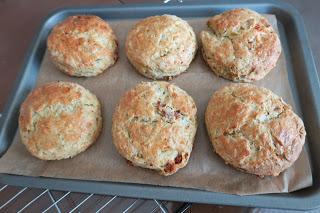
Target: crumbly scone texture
x=59, y=120
x=161, y=46
x=240, y=45
x=254, y=130
x=83, y=46
x=154, y=126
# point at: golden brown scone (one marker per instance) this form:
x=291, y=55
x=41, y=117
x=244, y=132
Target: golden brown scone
x=240, y=45
x=83, y=46
x=59, y=120
x=154, y=126
x=161, y=46
x=254, y=130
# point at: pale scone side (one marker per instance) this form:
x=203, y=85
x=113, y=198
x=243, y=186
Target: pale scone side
x=254, y=130
x=154, y=126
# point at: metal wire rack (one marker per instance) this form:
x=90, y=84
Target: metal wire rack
x=24, y=199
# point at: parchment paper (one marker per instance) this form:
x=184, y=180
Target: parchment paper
x=205, y=170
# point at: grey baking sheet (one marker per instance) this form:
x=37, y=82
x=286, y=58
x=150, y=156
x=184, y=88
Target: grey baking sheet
x=101, y=162
x=304, y=92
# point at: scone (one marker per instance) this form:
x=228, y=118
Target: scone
x=160, y=47
x=59, y=120
x=83, y=46
x=154, y=126
x=254, y=130
x=240, y=45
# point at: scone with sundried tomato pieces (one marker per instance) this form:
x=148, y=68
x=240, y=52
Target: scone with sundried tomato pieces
x=240, y=45
x=154, y=126
x=254, y=130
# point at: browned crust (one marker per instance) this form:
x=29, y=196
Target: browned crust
x=254, y=130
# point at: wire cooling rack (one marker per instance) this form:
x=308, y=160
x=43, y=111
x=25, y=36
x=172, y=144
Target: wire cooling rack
x=19, y=199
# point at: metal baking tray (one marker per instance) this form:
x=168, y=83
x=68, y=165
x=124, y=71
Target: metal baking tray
x=303, y=78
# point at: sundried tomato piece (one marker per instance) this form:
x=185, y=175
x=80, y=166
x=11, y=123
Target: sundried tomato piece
x=169, y=167
x=178, y=159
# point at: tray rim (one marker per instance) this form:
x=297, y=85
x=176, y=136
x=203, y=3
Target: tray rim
x=283, y=201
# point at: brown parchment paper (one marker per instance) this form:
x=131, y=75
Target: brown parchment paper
x=205, y=170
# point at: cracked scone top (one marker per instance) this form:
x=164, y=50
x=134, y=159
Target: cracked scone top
x=154, y=126
x=83, y=46
x=161, y=46
x=254, y=130
x=240, y=45
x=59, y=120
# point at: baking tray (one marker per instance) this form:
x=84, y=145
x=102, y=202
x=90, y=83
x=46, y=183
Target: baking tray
x=303, y=78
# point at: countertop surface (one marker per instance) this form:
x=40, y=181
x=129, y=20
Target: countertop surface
x=19, y=21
